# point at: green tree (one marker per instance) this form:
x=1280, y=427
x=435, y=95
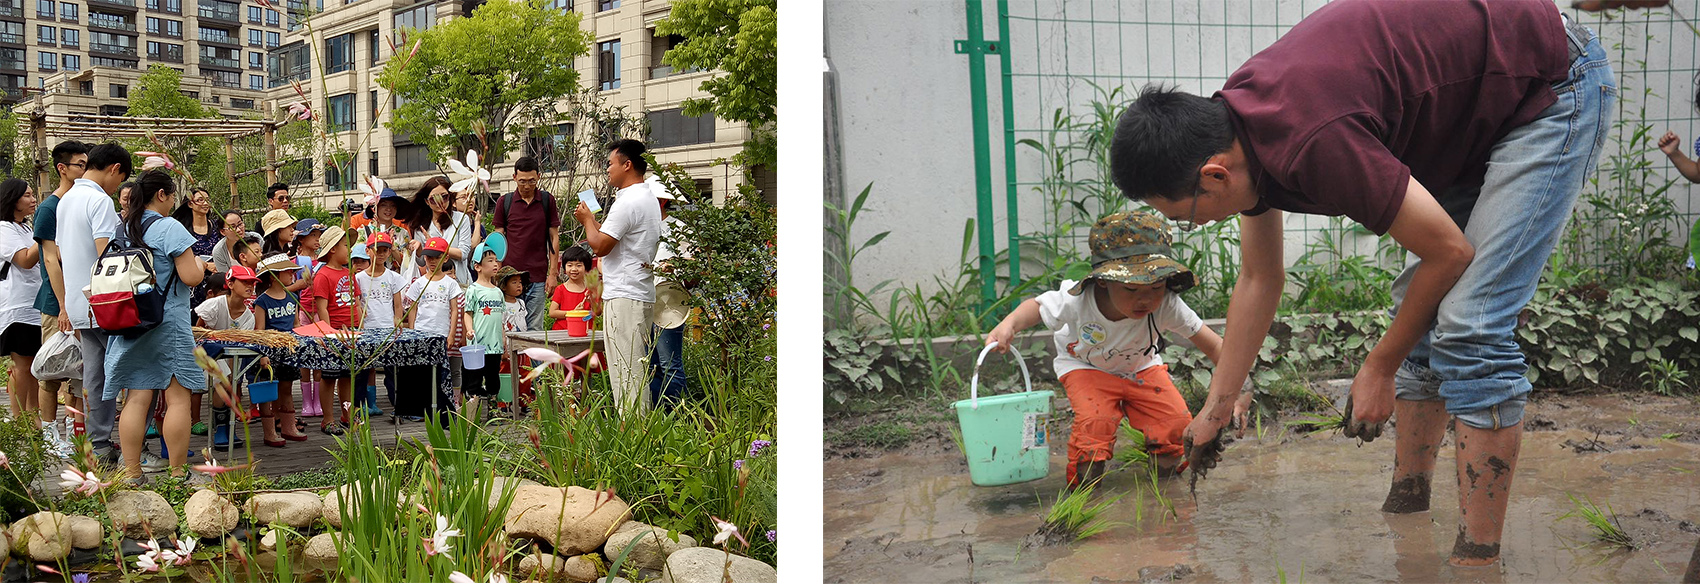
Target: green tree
x=740, y=37
x=490, y=77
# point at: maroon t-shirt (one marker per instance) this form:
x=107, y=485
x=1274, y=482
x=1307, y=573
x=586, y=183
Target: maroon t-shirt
x=1361, y=96
x=527, y=231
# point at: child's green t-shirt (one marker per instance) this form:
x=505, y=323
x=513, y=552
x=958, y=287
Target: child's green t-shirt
x=486, y=304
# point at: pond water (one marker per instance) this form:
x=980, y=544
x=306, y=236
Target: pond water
x=1287, y=503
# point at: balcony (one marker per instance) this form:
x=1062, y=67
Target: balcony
x=222, y=13
x=47, y=67
x=222, y=39
x=69, y=43
x=112, y=49
x=10, y=93
x=167, y=57
x=217, y=82
x=46, y=42
x=44, y=15
x=129, y=5
x=12, y=11
x=211, y=61
x=11, y=39
x=71, y=18
x=111, y=23
x=13, y=66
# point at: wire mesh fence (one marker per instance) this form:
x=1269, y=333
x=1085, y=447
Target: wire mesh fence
x=1075, y=64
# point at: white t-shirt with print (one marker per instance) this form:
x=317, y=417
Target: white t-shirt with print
x=514, y=316
x=379, y=295
x=436, y=304
x=1086, y=339
x=634, y=220
x=85, y=214
x=216, y=313
x=17, y=292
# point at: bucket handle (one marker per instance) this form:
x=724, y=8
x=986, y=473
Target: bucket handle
x=974, y=382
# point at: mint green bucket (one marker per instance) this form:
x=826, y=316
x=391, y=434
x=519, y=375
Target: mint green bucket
x=1004, y=436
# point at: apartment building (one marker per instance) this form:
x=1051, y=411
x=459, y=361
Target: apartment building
x=624, y=63
x=85, y=56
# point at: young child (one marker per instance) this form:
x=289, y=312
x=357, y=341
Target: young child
x=335, y=296
x=574, y=293
x=438, y=299
x=380, y=291
x=305, y=248
x=513, y=283
x=277, y=309
x=224, y=312
x=1107, y=329
x=485, y=313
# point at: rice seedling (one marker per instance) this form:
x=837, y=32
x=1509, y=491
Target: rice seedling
x=1075, y=517
x=1603, y=522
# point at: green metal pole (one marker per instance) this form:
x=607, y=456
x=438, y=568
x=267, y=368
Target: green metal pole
x=976, y=48
x=1010, y=194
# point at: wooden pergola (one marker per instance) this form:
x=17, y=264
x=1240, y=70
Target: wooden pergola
x=43, y=124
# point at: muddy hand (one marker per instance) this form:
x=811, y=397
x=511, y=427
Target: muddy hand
x=1370, y=403
x=1362, y=430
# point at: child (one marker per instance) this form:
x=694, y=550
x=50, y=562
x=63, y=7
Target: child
x=513, y=283
x=574, y=293
x=1107, y=330
x=215, y=288
x=278, y=310
x=224, y=312
x=437, y=297
x=486, y=311
x=335, y=295
x=305, y=248
x=248, y=252
x=380, y=290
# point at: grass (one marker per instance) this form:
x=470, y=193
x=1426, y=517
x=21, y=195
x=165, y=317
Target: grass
x=1603, y=522
x=885, y=435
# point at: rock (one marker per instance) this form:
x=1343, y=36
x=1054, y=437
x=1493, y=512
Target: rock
x=652, y=548
x=700, y=564
x=322, y=548
x=500, y=483
x=551, y=568
x=142, y=514
x=266, y=560
x=86, y=532
x=332, y=511
x=210, y=515
x=572, y=519
x=580, y=569
x=44, y=536
x=293, y=509
x=613, y=579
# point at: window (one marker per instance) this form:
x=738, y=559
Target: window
x=340, y=179
x=551, y=146
x=606, y=5
x=374, y=110
x=47, y=61
x=44, y=9
x=608, y=65
x=287, y=65
x=70, y=37
x=255, y=37
x=68, y=12
x=240, y=103
x=110, y=62
x=254, y=13
x=341, y=118
x=420, y=17
x=229, y=79
x=273, y=40
x=84, y=87
x=165, y=52
x=374, y=47
x=411, y=159
x=561, y=5
x=271, y=18
x=73, y=62
x=172, y=6
x=226, y=11
x=339, y=55
x=46, y=35
x=165, y=27
x=120, y=90
x=216, y=35
x=111, y=21
x=256, y=82
x=671, y=127
x=256, y=60
x=372, y=163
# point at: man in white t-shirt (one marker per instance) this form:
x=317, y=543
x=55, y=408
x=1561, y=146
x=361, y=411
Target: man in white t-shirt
x=85, y=223
x=627, y=241
x=1108, y=329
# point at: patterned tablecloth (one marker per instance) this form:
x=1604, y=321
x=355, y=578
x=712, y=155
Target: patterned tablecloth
x=409, y=347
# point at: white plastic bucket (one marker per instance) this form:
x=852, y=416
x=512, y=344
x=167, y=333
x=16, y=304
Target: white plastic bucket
x=472, y=356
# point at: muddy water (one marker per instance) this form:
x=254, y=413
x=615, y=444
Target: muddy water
x=1283, y=504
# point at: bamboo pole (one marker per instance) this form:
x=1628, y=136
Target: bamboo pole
x=38, y=134
x=230, y=169
x=269, y=137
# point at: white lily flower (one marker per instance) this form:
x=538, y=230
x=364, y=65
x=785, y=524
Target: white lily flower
x=460, y=578
x=727, y=532
x=146, y=563
x=439, y=542
x=471, y=172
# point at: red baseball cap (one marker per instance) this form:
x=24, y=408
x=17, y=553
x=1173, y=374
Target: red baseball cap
x=241, y=273
x=434, y=247
x=380, y=237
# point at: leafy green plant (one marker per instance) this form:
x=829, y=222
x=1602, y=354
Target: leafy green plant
x=1603, y=522
x=1075, y=517
x=731, y=270
x=1665, y=377
x=1604, y=336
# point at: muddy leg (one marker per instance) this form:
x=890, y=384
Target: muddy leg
x=1089, y=474
x=1422, y=425
x=1486, y=461
x=1693, y=575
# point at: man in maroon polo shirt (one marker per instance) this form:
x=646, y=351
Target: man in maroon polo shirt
x=529, y=219
x=1465, y=130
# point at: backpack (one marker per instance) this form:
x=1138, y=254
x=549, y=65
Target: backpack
x=123, y=293
x=549, y=205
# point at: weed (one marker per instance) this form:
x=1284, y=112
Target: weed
x=1603, y=521
x=877, y=435
x=1665, y=377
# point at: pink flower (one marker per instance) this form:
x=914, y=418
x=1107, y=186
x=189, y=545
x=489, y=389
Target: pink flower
x=213, y=468
x=727, y=531
x=46, y=568
x=415, y=49
x=75, y=411
x=548, y=357
x=264, y=4
x=5, y=462
x=438, y=543
x=301, y=111
x=86, y=483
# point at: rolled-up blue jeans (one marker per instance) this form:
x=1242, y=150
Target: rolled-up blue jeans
x=667, y=380
x=1470, y=358
x=536, y=298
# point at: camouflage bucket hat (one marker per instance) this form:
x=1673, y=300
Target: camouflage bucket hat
x=1133, y=248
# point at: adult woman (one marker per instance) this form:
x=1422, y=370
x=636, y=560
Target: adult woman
x=196, y=215
x=433, y=216
x=162, y=359
x=19, y=320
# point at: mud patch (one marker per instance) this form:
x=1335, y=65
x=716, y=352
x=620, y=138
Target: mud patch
x=1008, y=503
x=1539, y=424
x=1464, y=549
x=1408, y=495
x=1173, y=573
x=1589, y=445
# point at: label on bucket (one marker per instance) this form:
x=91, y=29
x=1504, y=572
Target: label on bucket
x=1033, y=435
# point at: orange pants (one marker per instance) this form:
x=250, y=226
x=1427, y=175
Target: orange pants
x=1150, y=402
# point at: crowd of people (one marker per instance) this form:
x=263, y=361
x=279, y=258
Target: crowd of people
x=421, y=262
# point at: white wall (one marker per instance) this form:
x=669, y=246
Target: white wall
x=906, y=108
